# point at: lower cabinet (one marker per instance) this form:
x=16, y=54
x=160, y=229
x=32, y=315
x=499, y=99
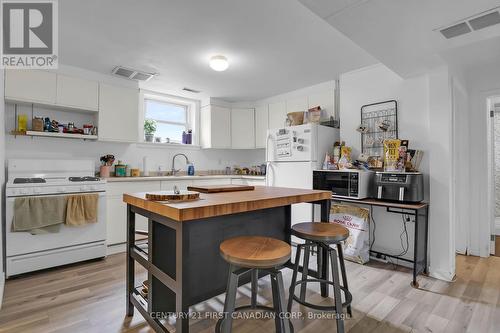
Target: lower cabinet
x=116, y=218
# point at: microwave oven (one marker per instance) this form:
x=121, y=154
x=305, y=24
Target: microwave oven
x=352, y=184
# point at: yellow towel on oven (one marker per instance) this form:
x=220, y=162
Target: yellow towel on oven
x=82, y=209
x=39, y=215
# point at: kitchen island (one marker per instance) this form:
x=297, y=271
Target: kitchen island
x=182, y=253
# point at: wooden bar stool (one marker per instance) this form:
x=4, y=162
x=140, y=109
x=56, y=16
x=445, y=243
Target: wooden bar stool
x=322, y=235
x=249, y=254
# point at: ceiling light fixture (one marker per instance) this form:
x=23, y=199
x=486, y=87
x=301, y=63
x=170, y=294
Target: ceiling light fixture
x=219, y=63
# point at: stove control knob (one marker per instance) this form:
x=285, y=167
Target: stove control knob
x=301, y=141
x=24, y=191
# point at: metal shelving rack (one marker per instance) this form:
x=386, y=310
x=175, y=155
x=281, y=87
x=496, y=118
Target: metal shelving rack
x=372, y=141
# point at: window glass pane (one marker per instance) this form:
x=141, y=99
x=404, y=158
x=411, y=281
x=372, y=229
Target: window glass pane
x=165, y=111
x=174, y=132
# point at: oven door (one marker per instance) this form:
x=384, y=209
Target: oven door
x=338, y=183
x=19, y=243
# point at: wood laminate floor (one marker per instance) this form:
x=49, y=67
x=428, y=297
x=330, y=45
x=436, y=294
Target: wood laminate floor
x=90, y=297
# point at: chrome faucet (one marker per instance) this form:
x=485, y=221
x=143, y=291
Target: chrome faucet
x=174, y=170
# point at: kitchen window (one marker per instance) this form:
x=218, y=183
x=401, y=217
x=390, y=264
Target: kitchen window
x=169, y=119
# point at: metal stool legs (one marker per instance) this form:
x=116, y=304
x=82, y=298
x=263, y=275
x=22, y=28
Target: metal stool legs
x=337, y=287
x=344, y=274
x=282, y=322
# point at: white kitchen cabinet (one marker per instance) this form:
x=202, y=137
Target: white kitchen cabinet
x=32, y=86
x=118, y=113
x=77, y=93
x=242, y=128
x=277, y=115
x=218, y=181
x=116, y=210
x=215, y=127
x=246, y=181
x=324, y=99
x=168, y=185
x=261, y=125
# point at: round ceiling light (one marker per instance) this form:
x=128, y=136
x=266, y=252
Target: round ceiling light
x=219, y=63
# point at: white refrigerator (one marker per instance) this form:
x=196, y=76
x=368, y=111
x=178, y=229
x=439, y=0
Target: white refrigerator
x=292, y=153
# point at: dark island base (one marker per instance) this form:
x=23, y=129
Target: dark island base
x=183, y=261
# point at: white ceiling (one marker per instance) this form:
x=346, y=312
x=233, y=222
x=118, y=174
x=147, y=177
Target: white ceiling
x=273, y=46
x=403, y=34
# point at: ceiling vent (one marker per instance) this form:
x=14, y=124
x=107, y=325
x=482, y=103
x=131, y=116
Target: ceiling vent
x=191, y=90
x=476, y=22
x=132, y=74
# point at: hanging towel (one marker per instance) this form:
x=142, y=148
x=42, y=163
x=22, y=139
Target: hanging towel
x=82, y=209
x=39, y=215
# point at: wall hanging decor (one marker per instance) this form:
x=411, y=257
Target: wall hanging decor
x=379, y=121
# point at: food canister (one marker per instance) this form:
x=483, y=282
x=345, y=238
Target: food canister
x=135, y=172
x=120, y=170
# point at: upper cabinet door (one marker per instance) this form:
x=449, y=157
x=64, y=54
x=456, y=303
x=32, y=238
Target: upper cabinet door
x=77, y=93
x=242, y=128
x=220, y=127
x=261, y=126
x=118, y=113
x=30, y=86
x=277, y=115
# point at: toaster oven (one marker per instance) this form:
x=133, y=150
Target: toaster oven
x=352, y=184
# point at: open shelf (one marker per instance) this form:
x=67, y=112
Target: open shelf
x=60, y=135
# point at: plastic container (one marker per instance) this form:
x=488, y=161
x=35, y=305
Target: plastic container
x=190, y=168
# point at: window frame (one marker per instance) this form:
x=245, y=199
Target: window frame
x=192, y=110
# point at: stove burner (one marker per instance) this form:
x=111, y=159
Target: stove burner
x=28, y=180
x=83, y=179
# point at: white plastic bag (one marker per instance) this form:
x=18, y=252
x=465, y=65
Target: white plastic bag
x=356, y=219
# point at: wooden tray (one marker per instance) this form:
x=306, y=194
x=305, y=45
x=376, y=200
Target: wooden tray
x=220, y=188
x=171, y=196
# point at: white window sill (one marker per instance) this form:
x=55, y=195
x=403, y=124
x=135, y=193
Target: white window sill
x=163, y=145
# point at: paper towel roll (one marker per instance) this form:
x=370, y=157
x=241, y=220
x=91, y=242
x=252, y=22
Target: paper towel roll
x=145, y=167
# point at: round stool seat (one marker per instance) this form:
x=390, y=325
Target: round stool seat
x=321, y=232
x=255, y=252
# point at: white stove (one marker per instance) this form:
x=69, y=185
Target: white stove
x=42, y=178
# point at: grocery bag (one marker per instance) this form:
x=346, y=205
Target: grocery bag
x=356, y=219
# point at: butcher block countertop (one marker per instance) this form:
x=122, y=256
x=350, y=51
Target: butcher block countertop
x=217, y=204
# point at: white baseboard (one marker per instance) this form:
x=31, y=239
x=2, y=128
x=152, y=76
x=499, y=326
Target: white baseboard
x=116, y=248
x=441, y=275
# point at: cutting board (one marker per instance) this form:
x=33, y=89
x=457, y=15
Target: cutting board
x=172, y=197
x=220, y=188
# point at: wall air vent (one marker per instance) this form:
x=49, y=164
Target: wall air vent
x=472, y=23
x=456, y=30
x=132, y=74
x=485, y=21
x=191, y=90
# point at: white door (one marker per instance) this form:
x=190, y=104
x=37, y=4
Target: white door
x=261, y=126
x=118, y=114
x=30, y=86
x=77, y=93
x=220, y=118
x=242, y=128
x=277, y=115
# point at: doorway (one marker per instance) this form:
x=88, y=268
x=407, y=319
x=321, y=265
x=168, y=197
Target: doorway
x=494, y=107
